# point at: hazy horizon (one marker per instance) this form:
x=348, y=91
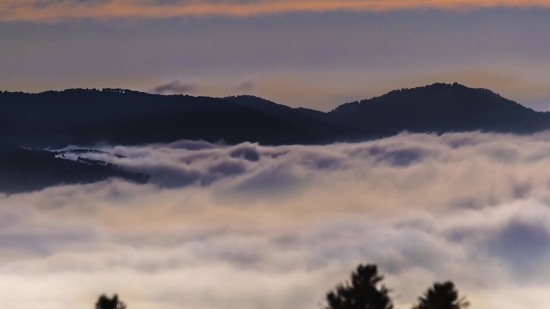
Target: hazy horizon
x=297, y=58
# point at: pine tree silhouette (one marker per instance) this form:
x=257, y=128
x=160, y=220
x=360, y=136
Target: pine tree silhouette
x=105, y=302
x=442, y=296
x=363, y=292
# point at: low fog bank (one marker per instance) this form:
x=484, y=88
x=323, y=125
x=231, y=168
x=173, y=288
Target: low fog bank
x=253, y=227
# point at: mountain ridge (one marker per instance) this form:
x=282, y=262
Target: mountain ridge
x=119, y=116
x=88, y=116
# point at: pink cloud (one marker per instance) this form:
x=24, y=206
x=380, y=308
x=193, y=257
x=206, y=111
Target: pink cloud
x=55, y=10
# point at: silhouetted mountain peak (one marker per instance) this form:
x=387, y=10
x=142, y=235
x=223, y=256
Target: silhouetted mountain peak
x=441, y=108
x=435, y=96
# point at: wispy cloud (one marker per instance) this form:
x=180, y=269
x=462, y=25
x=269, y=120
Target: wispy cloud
x=174, y=87
x=12, y=10
x=246, y=86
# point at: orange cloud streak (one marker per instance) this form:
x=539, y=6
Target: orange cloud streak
x=50, y=10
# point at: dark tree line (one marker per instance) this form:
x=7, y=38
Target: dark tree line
x=27, y=170
x=365, y=290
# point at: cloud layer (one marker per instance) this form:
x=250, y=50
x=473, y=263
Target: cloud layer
x=254, y=227
x=12, y=10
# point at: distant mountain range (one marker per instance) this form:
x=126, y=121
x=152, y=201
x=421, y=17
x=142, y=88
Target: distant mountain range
x=117, y=116
x=86, y=117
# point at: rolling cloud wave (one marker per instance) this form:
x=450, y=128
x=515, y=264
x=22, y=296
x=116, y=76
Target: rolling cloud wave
x=249, y=226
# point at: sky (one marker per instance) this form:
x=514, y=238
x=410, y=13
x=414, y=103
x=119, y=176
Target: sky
x=255, y=227
x=312, y=53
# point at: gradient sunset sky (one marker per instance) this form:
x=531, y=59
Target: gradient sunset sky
x=313, y=53
x=250, y=226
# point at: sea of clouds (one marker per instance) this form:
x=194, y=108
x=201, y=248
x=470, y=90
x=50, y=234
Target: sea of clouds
x=255, y=227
